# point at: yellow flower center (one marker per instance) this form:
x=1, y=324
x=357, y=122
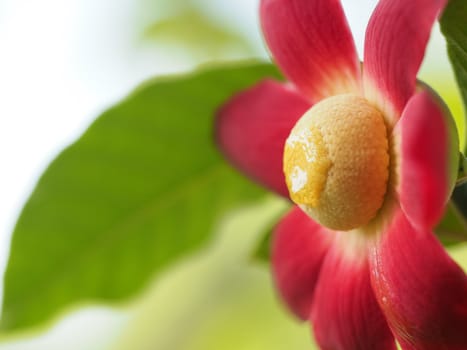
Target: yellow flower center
x=336, y=162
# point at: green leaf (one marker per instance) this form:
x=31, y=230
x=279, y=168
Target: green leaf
x=452, y=229
x=454, y=29
x=142, y=187
x=459, y=197
x=194, y=31
x=262, y=251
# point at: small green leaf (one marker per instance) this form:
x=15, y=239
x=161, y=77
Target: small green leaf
x=460, y=199
x=141, y=188
x=452, y=229
x=192, y=30
x=263, y=250
x=453, y=26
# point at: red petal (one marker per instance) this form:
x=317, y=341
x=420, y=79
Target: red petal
x=298, y=250
x=253, y=126
x=395, y=44
x=421, y=290
x=428, y=151
x=312, y=43
x=345, y=313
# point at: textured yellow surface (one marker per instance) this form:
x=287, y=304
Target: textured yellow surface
x=338, y=154
x=306, y=165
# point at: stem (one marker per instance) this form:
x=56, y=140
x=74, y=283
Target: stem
x=462, y=174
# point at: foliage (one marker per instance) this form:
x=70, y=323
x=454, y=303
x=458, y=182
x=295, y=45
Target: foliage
x=143, y=187
x=191, y=30
x=454, y=29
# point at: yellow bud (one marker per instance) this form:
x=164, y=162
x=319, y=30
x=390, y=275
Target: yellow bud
x=336, y=162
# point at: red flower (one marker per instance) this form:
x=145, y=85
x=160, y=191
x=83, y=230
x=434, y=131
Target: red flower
x=370, y=157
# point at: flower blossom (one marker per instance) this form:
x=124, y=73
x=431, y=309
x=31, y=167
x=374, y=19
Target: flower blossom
x=369, y=157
